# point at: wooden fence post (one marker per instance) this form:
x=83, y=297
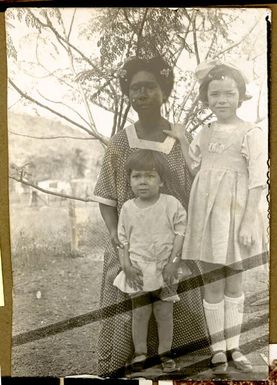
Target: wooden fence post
x=73, y=221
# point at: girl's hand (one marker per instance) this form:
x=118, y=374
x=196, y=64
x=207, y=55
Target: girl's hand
x=177, y=132
x=134, y=277
x=170, y=272
x=246, y=235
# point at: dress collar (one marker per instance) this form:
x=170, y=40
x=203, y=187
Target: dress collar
x=135, y=142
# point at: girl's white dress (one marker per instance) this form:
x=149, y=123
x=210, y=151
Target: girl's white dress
x=231, y=160
x=150, y=234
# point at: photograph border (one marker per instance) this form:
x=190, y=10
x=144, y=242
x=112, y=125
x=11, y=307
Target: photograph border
x=6, y=311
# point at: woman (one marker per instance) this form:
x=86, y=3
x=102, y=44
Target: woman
x=148, y=84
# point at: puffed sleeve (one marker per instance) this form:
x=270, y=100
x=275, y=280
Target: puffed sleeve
x=121, y=227
x=105, y=189
x=195, y=152
x=254, y=149
x=179, y=219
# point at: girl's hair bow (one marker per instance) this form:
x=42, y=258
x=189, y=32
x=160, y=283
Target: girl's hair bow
x=203, y=69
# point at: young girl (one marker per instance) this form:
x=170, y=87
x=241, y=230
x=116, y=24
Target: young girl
x=224, y=223
x=151, y=230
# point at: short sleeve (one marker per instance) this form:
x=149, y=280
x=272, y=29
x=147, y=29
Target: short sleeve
x=254, y=149
x=180, y=219
x=105, y=190
x=195, y=152
x=121, y=227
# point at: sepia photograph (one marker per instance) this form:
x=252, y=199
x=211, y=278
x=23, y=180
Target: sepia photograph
x=138, y=192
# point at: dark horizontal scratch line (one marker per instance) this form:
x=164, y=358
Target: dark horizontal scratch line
x=121, y=307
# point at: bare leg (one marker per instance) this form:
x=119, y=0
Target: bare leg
x=214, y=282
x=140, y=321
x=163, y=312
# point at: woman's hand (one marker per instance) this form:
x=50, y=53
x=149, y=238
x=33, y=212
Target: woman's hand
x=246, y=233
x=177, y=132
x=115, y=241
x=133, y=276
x=170, y=272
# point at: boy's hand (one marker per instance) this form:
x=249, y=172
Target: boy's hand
x=170, y=272
x=134, y=277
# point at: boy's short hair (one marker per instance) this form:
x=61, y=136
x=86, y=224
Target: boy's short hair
x=147, y=160
x=218, y=73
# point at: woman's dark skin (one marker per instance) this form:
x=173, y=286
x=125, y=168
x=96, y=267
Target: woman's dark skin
x=146, y=97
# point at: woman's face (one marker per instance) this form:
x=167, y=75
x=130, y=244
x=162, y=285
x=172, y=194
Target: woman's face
x=145, y=93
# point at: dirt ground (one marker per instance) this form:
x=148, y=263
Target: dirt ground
x=51, y=284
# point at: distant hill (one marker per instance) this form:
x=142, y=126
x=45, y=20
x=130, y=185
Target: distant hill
x=52, y=158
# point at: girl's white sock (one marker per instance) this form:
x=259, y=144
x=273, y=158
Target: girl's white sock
x=214, y=313
x=233, y=320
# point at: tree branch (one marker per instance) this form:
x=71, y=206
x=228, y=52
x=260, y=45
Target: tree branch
x=195, y=40
x=71, y=23
x=61, y=38
x=102, y=138
x=212, y=44
x=128, y=21
x=115, y=117
x=124, y=119
x=50, y=137
x=186, y=99
x=139, y=35
x=12, y=105
x=91, y=120
x=97, y=93
x=64, y=105
x=194, y=104
x=237, y=43
x=187, y=14
x=120, y=111
x=47, y=75
x=183, y=44
x=49, y=192
x=200, y=122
